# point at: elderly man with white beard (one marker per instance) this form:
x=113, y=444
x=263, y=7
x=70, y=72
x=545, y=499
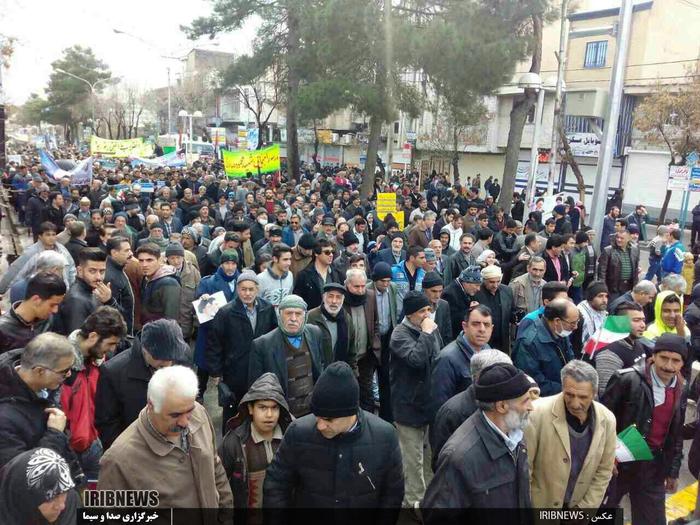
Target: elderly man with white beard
x=491, y=440
x=337, y=328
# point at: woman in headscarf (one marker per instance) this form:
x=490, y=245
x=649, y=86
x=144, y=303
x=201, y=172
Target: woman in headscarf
x=37, y=489
x=668, y=312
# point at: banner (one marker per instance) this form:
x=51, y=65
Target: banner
x=386, y=203
x=238, y=163
x=81, y=175
x=172, y=160
x=252, y=138
x=120, y=148
x=678, y=178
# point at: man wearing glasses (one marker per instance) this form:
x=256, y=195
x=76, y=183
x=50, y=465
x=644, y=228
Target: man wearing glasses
x=29, y=381
x=544, y=348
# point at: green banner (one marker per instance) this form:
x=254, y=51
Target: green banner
x=238, y=163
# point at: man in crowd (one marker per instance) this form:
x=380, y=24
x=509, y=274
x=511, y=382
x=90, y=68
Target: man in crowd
x=189, y=278
x=251, y=439
x=451, y=371
x=302, y=254
x=230, y=340
x=311, y=280
x=336, y=325
x=642, y=294
x=622, y=353
x=393, y=255
x=439, y=308
x=277, y=281
x=589, y=438
x=543, y=349
x=499, y=299
x=32, y=316
x=292, y=352
x=460, y=294
x=170, y=448
x=360, y=306
x=97, y=337
x=357, y=462
x=618, y=265
x=462, y=259
x=389, y=308
x=29, y=381
x=87, y=293
x=593, y=312
x=651, y=395
x=123, y=381
x=415, y=344
x=119, y=254
x=408, y=275
x=556, y=266
x=491, y=440
x=457, y=409
x=527, y=289
x=160, y=289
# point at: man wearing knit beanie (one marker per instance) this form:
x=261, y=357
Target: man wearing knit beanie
x=415, y=344
x=360, y=448
x=440, y=309
x=651, y=395
x=293, y=352
x=386, y=295
x=491, y=440
x=302, y=253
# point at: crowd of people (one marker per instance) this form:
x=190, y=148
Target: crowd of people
x=359, y=361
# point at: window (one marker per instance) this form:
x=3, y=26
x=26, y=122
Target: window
x=595, y=54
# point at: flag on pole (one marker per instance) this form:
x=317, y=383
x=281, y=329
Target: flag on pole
x=631, y=446
x=615, y=327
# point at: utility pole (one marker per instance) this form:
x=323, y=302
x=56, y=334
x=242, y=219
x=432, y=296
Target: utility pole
x=389, y=61
x=3, y=157
x=170, y=129
x=561, y=58
x=602, y=178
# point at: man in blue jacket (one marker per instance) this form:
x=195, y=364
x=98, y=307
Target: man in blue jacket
x=544, y=347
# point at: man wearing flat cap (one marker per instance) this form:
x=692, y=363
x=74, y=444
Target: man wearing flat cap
x=292, y=352
x=336, y=325
x=339, y=456
x=490, y=441
x=651, y=395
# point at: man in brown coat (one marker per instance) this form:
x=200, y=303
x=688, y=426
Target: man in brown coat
x=170, y=448
x=361, y=306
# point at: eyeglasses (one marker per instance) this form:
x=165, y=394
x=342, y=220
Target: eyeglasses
x=327, y=252
x=61, y=373
x=571, y=323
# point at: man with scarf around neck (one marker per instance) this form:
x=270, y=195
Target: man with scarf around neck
x=415, y=344
x=293, y=352
x=277, y=281
x=223, y=280
x=36, y=488
x=361, y=307
x=336, y=326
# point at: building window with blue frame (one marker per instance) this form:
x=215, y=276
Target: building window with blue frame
x=595, y=54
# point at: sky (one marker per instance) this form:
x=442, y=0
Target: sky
x=43, y=32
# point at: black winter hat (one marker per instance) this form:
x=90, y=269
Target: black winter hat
x=672, y=343
x=163, y=340
x=501, y=382
x=431, y=279
x=414, y=301
x=380, y=271
x=336, y=393
x=349, y=239
x=174, y=248
x=594, y=289
x=307, y=241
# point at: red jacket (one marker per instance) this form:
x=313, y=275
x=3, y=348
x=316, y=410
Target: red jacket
x=78, y=403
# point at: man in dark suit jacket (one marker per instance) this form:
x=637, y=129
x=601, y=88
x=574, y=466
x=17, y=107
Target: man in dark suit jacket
x=361, y=306
x=556, y=267
x=387, y=255
x=123, y=382
x=292, y=352
x=432, y=289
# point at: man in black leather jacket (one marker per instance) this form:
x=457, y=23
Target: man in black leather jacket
x=652, y=396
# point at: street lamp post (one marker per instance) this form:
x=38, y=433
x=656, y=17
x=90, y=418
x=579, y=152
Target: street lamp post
x=92, y=91
x=183, y=113
x=534, y=82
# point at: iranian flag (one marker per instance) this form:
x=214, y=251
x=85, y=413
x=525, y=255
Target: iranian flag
x=615, y=327
x=631, y=446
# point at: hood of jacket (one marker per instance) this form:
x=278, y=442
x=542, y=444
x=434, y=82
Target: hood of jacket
x=163, y=271
x=658, y=327
x=267, y=386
